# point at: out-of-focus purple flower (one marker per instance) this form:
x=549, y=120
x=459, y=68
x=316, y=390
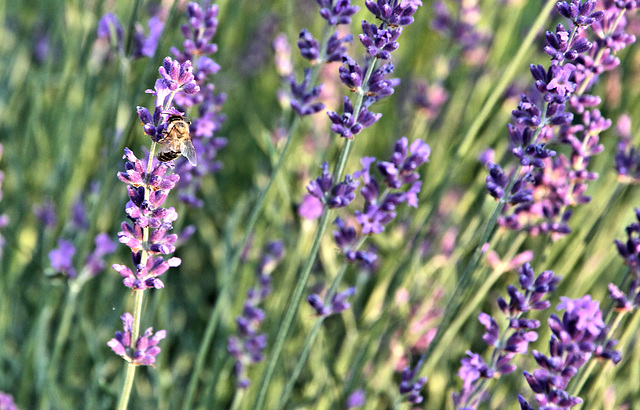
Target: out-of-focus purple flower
x=110, y=28
x=338, y=303
x=462, y=28
x=145, y=350
x=282, y=57
x=429, y=98
x=145, y=46
x=356, y=399
x=301, y=97
x=311, y=207
x=338, y=12
x=46, y=213
x=6, y=402
x=61, y=258
x=336, y=48
x=205, y=105
x=79, y=218
x=247, y=345
x=95, y=261
x=410, y=388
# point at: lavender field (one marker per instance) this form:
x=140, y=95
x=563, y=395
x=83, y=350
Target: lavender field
x=329, y=204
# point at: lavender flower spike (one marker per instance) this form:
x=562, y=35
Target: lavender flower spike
x=409, y=389
x=337, y=305
x=145, y=350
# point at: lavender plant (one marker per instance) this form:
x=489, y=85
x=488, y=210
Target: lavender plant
x=475, y=372
x=357, y=317
x=148, y=186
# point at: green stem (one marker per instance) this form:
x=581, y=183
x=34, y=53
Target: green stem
x=131, y=368
x=294, y=302
x=302, y=359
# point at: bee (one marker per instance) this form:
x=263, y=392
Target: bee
x=176, y=141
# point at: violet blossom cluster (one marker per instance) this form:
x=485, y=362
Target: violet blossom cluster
x=379, y=42
x=546, y=117
x=513, y=340
x=462, y=28
x=410, y=389
x=147, y=213
x=627, y=160
x=580, y=335
x=141, y=353
x=303, y=94
x=6, y=402
x=62, y=257
x=248, y=345
x=144, y=45
x=402, y=184
x=206, y=121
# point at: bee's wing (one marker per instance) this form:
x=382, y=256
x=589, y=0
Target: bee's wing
x=189, y=151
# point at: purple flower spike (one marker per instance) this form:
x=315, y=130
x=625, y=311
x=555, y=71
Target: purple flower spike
x=337, y=12
x=348, y=125
x=578, y=336
x=145, y=46
x=338, y=303
x=515, y=340
x=410, y=388
x=178, y=77
x=110, y=28
x=247, y=345
x=198, y=33
x=146, y=347
x=394, y=12
x=336, y=48
x=61, y=258
x=379, y=42
x=301, y=97
x=309, y=47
